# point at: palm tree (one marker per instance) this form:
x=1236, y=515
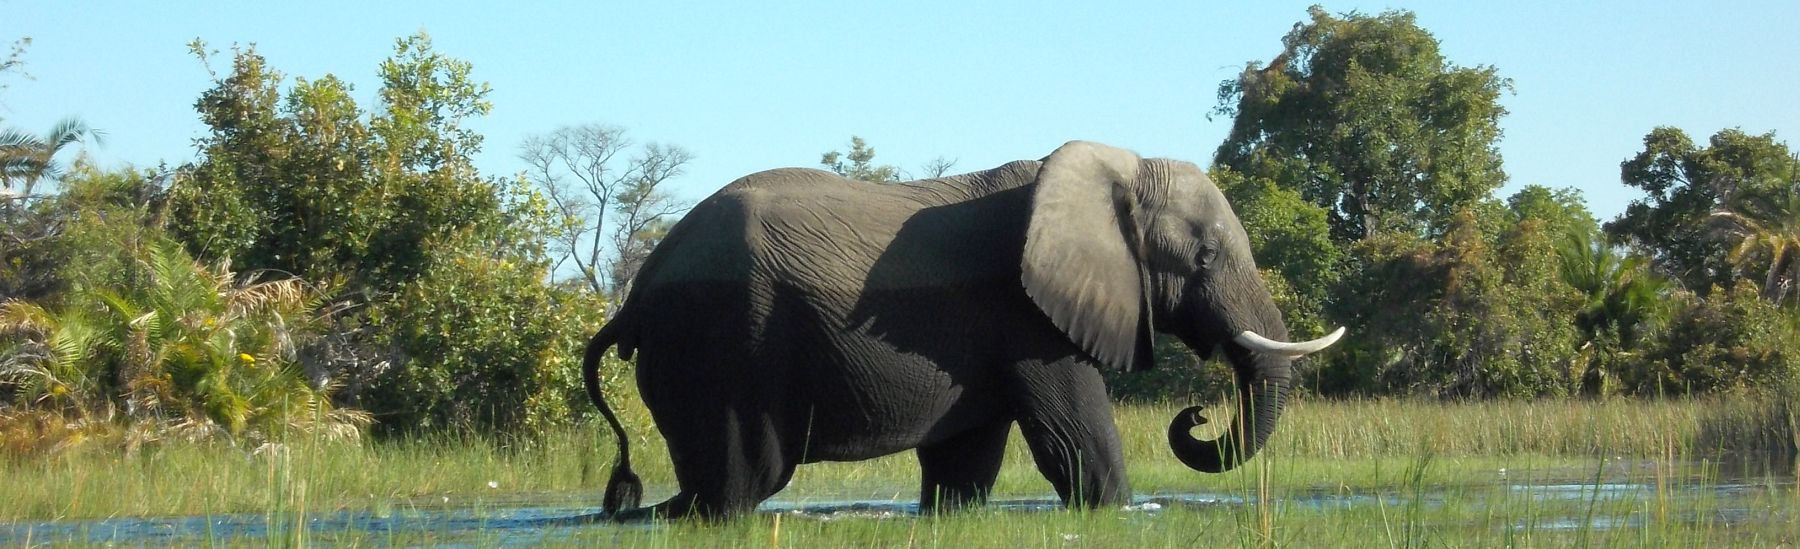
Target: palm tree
x=26, y=159
x=190, y=348
x=1621, y=296
x=1763, y=231
x=1620, y=291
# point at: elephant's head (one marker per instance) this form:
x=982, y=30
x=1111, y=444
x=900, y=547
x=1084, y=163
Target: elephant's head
x=1120, y=246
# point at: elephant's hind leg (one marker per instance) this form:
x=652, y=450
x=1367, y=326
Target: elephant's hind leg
x=1066, y=419
x=726, y=462
x=960, y=471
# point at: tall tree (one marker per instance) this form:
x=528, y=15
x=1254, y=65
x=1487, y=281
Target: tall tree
x=1365, y=117
x=1563, y=211
x=598, y=193
x=1684, y=185
x=455, y=325
x=312, y=185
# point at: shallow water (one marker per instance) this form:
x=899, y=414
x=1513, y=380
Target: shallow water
x=530, y=521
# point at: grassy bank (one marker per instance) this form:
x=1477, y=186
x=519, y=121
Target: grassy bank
x=1319, y=444
x=1338, y=474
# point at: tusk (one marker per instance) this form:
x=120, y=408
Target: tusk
x=1255, y=342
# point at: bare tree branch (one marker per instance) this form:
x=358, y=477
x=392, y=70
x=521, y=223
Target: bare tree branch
x=580, y=170
x=938, y=167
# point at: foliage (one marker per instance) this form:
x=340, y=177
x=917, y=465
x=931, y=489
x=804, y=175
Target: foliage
x=1475, y=315
x=1291, y=239
x=1730, y=340
x=1621, y=300
x=577, y=170
x=1562, y=211
x=1762, y=231
x=453, y=324
x=28, y=264
x=46, y=240
x=152, y=337
x=310, y=186
x=1684, y=185
x=1619, y=294
x=1180, y=376
x=1363, y=116
x=481, y=342
x=860, y=165
x=26, y=159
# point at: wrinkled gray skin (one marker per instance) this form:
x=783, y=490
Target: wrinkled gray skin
x=796, y=316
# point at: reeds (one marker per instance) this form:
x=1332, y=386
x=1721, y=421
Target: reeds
x=1427, y=474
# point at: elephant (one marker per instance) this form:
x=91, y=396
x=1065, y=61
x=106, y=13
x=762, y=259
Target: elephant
x=796, y=316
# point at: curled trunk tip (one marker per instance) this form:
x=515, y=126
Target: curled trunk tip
x=1206, y=456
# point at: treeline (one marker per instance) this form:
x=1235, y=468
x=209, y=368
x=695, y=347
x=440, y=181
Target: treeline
x=325, y=267
x=1364, y=165
x=320, y=268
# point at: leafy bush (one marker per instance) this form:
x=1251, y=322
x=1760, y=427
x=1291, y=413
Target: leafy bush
x=1730, y=340
x=454, y=324
x=165, y=341
x=1473, y=315
x=480, y=342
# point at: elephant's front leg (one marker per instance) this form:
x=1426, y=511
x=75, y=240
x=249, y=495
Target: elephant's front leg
x=960, y=471
x=1066, y=419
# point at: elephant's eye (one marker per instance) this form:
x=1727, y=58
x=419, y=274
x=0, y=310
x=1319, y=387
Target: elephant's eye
x=1207, y=253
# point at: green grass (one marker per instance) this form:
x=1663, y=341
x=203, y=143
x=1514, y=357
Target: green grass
x=1418, y=474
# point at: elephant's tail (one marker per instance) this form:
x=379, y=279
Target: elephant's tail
x=623, y=490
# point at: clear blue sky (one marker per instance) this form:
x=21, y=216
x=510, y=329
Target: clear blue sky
x=747, y=88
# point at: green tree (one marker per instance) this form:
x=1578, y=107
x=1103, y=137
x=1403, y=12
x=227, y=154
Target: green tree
x=1291, y=239
x=313, y=187
x=1684, y=184
x=1621, y=300
x=1563, y=211
x=444, y=268
x=481, y=342
x=1762, y=230
x=1620, y=296
x=1363, y=116
x=28, y=265
x=860, y=164
x=1478, y=313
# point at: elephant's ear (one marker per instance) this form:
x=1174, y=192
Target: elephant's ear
x=1081, y=262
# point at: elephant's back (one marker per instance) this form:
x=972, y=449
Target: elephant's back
x=793, y=225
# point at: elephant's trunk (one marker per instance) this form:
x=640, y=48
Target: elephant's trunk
x=1263, y=382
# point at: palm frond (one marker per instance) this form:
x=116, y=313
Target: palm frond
x=69, y=131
